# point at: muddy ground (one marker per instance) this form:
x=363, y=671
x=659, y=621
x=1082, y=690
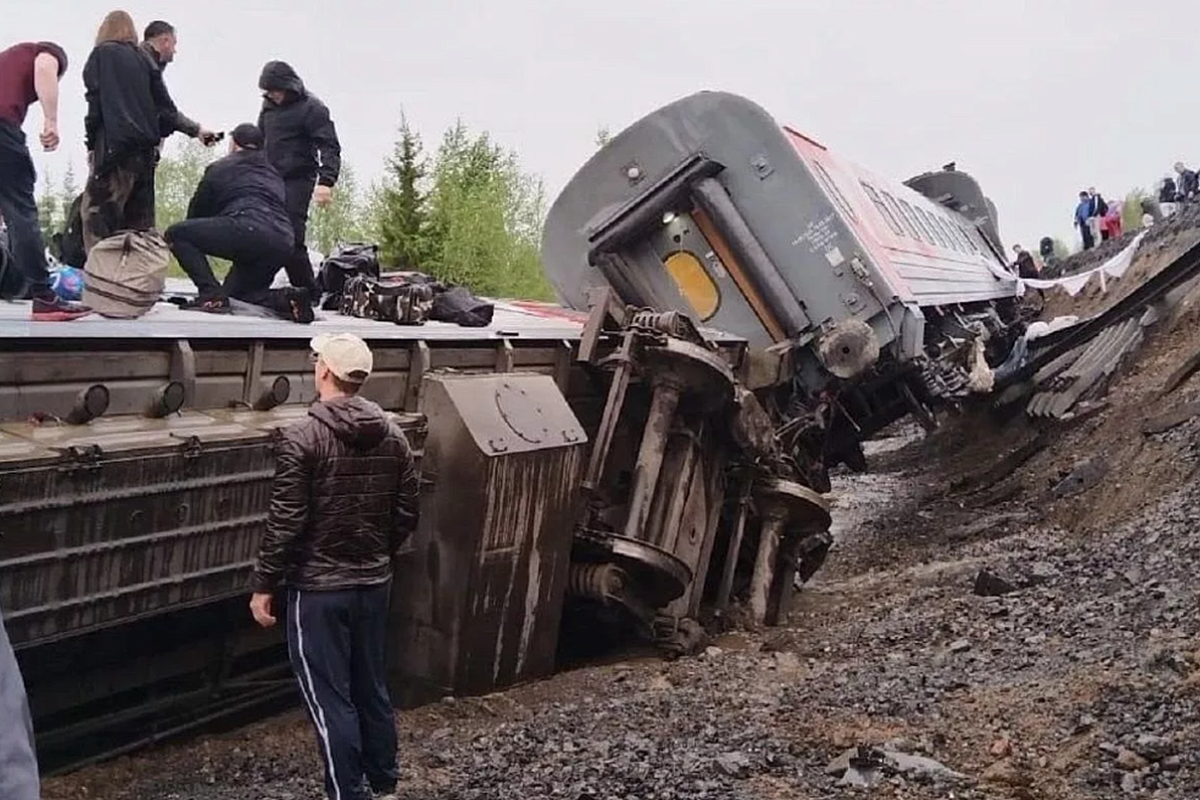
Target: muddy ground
x=1033, y=638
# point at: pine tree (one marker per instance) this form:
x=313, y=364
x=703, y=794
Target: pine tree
x=603, y=137
x=48, y=206
x=70, y=190
x=402, y=203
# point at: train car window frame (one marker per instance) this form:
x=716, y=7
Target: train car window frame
x=707, y=301
x=933, y=227
x=831, y=187
x=962, y=237
x=979, y=242
x=969, y=240
x=922, y=234
x=891, y=221
x=954, y=245
x=899, y=212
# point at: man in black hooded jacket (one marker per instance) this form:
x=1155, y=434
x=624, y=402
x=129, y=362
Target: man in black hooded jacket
x=238, y=213
x=302, y=144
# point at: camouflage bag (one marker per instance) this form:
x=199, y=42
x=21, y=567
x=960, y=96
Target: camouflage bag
x=401, y=303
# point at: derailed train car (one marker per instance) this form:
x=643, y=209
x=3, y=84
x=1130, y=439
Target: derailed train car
x=750, y=306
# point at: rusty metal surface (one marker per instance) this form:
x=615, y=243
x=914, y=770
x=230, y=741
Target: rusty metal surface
x=43, y=378
x=479, y=591
x=119, y=519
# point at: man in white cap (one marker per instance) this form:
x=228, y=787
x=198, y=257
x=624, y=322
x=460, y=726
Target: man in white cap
x=345, y=499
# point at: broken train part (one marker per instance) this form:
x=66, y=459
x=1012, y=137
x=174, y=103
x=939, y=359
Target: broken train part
x=673, y=444
x=571, y=465
x=745, y=307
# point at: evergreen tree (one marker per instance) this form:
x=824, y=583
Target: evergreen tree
x=70, y=190
x=484, y=219
x=401, y=203
x=603, y=137
x=48, y=206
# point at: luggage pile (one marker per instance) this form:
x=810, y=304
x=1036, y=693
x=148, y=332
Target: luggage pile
x=353, y=284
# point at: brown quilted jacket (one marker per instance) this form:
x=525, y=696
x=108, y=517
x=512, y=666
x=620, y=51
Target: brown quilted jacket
x=345, y=498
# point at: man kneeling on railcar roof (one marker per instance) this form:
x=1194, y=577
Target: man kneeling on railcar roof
x=238, y=213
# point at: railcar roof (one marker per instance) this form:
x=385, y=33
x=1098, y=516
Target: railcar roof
x=512, y=319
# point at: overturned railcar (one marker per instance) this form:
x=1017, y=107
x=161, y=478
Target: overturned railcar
x=862, y=299
x=742, y=308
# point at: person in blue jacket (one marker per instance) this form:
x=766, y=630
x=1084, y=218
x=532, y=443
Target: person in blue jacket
x=1083, y=219
x=18, y=760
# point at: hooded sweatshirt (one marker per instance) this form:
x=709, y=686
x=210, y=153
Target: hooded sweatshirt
x=301, y=140
x=345, y=498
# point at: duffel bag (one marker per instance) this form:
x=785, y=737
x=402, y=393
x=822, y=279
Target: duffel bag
x=401, y=303
x=125, y=274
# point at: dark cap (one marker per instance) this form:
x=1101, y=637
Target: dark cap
x=248, y=136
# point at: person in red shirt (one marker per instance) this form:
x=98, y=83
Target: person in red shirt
x=29, y=73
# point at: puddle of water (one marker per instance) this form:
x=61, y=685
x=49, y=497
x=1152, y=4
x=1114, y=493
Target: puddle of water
x=857, y=498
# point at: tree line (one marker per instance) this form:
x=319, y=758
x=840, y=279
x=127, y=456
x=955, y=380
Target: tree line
x=466, y=214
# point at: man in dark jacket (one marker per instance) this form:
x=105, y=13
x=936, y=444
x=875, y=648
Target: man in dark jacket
x=18, y=760
x=345, y=499
x=1188, y=183
x=126, y=102
x=303, y=145
x=159, y=42
x=238, y=213
x=29, y=73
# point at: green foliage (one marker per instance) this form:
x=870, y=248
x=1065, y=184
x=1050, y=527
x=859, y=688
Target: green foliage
x=479, y=223
x=343, y=220
x=48, y=206
x=603, y=137
x=400, y=203
x=70, y=190
x=1131, y=210
x=1061, y=249
x=179, y=173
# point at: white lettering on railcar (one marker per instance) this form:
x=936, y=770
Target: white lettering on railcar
x=819, y=234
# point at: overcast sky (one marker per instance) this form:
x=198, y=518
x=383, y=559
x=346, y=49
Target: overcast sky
x=1037, y=100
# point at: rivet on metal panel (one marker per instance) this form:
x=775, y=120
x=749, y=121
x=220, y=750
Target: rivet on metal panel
x=762, y=166
x=634, y=173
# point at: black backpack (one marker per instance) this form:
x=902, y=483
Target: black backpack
x=345, y=262
x=71, y=250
